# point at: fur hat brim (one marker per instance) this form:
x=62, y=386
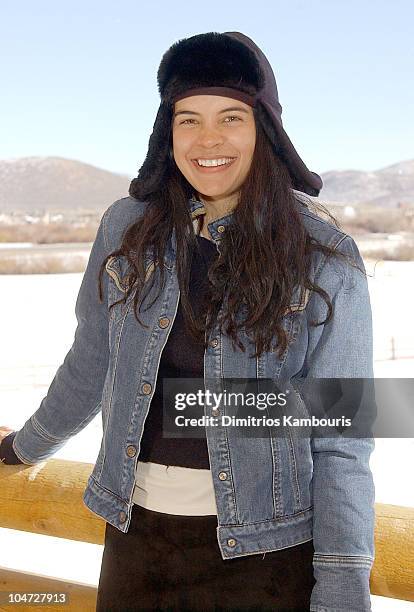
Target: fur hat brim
x=231, y=60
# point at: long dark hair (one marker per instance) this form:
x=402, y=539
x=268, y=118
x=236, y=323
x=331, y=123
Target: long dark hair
x=265, y=252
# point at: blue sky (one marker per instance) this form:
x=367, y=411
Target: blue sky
x=79, y=78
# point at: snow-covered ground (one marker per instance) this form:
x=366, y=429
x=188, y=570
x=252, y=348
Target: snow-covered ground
x=38, y=327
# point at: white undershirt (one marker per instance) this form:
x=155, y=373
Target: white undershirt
x=174, y=490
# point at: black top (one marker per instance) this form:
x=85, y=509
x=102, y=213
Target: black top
x=181, y=357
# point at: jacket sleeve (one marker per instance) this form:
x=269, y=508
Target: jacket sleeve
x=74, y=396
x=342, y=484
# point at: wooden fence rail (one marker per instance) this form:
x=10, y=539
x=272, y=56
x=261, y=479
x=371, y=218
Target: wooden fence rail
x=47, y=499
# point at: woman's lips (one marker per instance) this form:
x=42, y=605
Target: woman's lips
x=212, y=169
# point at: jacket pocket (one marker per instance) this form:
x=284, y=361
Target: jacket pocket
x=119, y=271
x=299, y=301
x=115, y=266
x=119, y=282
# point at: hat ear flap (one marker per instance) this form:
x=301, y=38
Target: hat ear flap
x=283, y=149
x=266, y=122
x=152, y=172
x=269, y=129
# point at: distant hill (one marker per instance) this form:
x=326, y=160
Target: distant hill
x=385, y=187
x=56, y=183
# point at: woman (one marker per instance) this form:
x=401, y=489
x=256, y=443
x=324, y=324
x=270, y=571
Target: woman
x=215, y=269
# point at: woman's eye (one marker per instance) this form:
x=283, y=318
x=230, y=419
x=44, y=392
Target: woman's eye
x=229, y=117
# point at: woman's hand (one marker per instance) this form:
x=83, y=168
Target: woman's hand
x=4, y=431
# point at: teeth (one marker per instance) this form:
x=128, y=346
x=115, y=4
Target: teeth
x=214, y=162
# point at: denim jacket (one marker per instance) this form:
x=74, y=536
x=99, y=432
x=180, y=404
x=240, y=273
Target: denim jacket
x=271, y=493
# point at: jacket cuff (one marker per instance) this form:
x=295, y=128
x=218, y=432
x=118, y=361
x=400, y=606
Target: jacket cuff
x=41, y=444
x=342, y=585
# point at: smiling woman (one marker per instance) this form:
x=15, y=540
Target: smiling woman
x=214, y=148
x=230, y=520
x=220, y=166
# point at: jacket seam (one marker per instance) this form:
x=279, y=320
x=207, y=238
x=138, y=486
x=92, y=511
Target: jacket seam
x=359, y=565
x=330, y=556
x=107, y=214
x=117, y=344
x=48, y=437
x=266, y=550
x=282, y=359
x=98, y=484
x=276, y=489
x=104, y=229
x=324, y=258
x=282, y=519
x=296, y=487
x=20, y=456
x=42, y=432
x=315, y=217
x=233, y=493
x=361, y=561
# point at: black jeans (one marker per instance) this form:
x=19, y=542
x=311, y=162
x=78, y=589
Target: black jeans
x=173, y=563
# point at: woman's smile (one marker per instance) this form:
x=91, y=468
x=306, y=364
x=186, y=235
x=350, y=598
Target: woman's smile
x=213, y=169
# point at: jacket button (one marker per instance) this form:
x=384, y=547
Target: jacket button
x=231, y=542
x=222, y=476
x=131, y=451
x=215, y=412
x=221, y=229
x=164, y=322
x=122, y=516
x=146, y=388
x=214, y=342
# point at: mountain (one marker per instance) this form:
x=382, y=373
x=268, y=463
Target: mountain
x=56, y=183
x=386, y=187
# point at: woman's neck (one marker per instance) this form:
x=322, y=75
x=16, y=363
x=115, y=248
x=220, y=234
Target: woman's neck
x=203, y=229
x=215, y=209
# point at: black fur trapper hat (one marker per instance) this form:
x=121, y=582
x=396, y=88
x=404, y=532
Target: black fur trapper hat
x=227, y=64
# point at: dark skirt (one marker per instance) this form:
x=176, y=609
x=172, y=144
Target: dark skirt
x=169, y=562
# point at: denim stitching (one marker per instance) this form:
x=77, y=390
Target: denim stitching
x=266, y=550
x=295, y=470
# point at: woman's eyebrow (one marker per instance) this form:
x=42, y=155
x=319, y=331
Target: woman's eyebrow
x=225, y=110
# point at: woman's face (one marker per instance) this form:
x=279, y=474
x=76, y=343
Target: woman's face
x=214, y=128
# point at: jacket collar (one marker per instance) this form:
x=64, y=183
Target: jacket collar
x=215, y=227
x=218, y=226
x=197, y=208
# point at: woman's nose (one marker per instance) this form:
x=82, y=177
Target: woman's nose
x=210, y=136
